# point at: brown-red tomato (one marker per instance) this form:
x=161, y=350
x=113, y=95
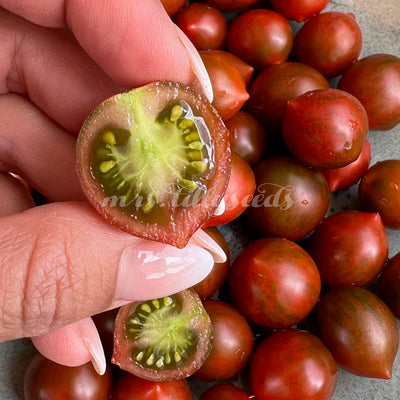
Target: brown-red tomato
x=389, y=285
x=274, y=283
x=173, y=6
x=292, y=364
x=299, y=10
x=231, y=5
x=224, y=391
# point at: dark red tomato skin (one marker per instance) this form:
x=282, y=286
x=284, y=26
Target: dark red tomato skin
x=389, y=285
x=299, y=10
x=275, y=86
x=341, y=178
x=204, y=25
x=375, y=81
x=325, y=128
x=47, y=380
x=330, y=42
x=224, y=391
x=173, y=6
x=359, y=330
x=349, y=248
x=129, y=386
x=232, y=343
x=290, y=199
x=261, y=38
x=379, y=191
x=214, y=280
x=248, y=137
x=292, y=364
x=230, y=5
x=238, y=194
x=274, y=283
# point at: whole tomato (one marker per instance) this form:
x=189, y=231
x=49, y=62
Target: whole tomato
x=349, y=248
x=232, y=342
x=359, y=330
x=173, y=6
x=248, y=137
x=341, y=178
x=238, y=194
x=330, y=42
x=227, y=82
x=129, y=386
x=292, y=364
x=299, y=10
x=260, y=37
x=275, y=86
x=274, y=283
x=224, y=391
x=379, y=191
x=230, y=5
x=389, y=285
x=325, y=128
x=375, y=81
x=290, y=199
x=203, y=24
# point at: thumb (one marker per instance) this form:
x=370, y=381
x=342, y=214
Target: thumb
x=62, y=262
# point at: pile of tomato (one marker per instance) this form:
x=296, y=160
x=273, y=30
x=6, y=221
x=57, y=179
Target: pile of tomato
x=311, y=290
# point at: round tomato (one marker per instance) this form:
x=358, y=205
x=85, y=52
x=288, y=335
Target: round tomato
x=375, y=81
x=261, y=38
x=232, y=342
x=173, y=6
x=239, y=193
x=129, y=386
x=204, y=25
x=224, y=391
x=349, y=248
x=379, y=191
x=274, y=283
x=230, y=5
x=290, y=199
x=299, y=10
x=292, y=364
x=359, y=330
x=47, y=380
x=389, y=285
x=330, y=42
x=325, y=128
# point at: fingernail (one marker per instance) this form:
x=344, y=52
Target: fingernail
x=197, y=65
x=148, y=270
x=205, y=241
x=221, y=208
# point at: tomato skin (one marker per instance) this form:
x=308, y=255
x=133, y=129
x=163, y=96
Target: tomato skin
x=379, y=191
x=330, y=42
x=359, y=330
x=204, y=25
x=275, y=86
x=173, y=6
x=230, y=5
x=375, y=81
x=325, y=128
x=389, y=285
x=292, y=364
x=105, y=322
x=290, y=199
x=299, y=10
x=274, y=283
x=238, y=194
x=261, y=38
x=349, y=248
x=224, y=391
x=341, y=178
x=47, y=380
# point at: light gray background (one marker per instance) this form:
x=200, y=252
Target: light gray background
x=379, y=21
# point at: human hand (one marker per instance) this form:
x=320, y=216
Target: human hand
x=60, y=262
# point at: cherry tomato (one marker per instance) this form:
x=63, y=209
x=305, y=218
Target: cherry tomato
x=290, y=199
x=389, y=285
x=204, y=25
x=248, y=138
x=359, y=330
x=232, y=342
x=129, y=386
x=224, y=391
x=299, y=10
x=349, y=248
x=229, y=5
x=238, y=194
x=292, y=364
x=330, y=42
x=47, y=380
x=227, y=82
x=261, y=38
x=375, y=81
x=379, y=191
x=105, y=322
x=325, y=128
x=173, y=6
x=274, y=283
